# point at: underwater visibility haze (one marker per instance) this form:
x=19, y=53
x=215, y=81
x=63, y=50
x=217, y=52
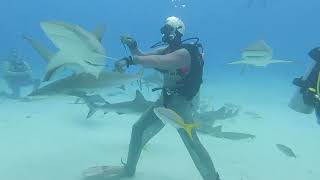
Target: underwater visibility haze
x=162, y=90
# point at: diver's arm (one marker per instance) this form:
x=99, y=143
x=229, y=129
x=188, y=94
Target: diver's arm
x=138, y=52
x=134, y=49
x=175, y=60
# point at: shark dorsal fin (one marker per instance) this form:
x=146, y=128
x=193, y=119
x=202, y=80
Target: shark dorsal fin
x=258, y=46
x=99, y=31
x=139, y=97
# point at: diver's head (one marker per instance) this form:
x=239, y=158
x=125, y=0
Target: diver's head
x=172, y=31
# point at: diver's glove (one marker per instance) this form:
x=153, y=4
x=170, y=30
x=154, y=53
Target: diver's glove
x=300, y=82
x=129, y=41
x=123, y=62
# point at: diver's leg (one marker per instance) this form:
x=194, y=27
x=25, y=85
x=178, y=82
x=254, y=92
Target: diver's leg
x=197, y=151
x=199, y=155
x=142, y=131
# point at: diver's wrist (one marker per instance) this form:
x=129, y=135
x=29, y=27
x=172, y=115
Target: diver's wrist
x=135, y=60
x=131, y=61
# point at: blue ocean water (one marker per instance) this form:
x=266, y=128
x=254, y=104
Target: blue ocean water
x=224, y=27
x=290, y=27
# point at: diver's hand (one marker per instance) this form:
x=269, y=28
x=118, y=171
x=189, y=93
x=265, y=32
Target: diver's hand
x=129, y=41
x=122, y=63
x=300, y=82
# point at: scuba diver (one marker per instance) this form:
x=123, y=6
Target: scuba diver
x=17, y=74
x=307, y=99
x=182, y=65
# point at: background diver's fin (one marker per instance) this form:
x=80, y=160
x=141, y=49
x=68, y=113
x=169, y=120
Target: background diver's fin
x=44, y=52
x=99, y=32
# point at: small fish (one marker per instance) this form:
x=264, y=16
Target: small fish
x=286, y=150
x=253, y=115
x=169, y=116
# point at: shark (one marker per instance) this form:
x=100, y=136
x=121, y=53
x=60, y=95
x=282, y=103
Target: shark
x=79, y=82
x=86, y=83
x=137, y=106
x=218, y=133
x=208, y=118
x=258, y=54
x=78, y=49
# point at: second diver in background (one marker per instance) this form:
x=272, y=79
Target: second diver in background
x=17, y=74
x=307, y=98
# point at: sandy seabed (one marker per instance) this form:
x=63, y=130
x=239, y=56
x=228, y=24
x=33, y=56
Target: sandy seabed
x=50, y=139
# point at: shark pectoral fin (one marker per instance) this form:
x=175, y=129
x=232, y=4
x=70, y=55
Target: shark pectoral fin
x=43, y=51
x=49, y=75
x=280, y=61
x=92, y=109
x=237, y=62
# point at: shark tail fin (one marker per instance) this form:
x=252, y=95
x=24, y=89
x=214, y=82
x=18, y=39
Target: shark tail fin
x=189, y=127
